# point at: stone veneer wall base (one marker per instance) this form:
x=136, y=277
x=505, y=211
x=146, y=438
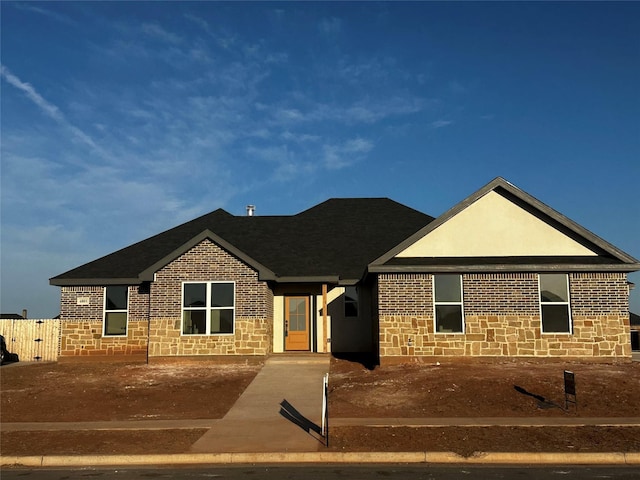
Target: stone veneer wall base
x=450, y=360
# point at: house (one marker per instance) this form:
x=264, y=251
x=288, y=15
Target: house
x=499, y=275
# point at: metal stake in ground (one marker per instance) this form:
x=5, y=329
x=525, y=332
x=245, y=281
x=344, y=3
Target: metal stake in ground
x=570, y=389
x=325, y=409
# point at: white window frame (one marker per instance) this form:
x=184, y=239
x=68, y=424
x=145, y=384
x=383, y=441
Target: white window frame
x=207, y=308
x=567, y=303
x=105, y=311
x=436, y=303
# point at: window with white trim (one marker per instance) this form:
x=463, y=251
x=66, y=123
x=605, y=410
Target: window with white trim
x=116, y=303
x=208, y=308
x=350, y=302
x=555, y=311
x=447, y=303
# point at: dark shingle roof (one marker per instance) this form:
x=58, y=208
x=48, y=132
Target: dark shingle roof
x=338, y=238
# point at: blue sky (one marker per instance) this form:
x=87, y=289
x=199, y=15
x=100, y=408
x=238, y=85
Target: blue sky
x=122, y=119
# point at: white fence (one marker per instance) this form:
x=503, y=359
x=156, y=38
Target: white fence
x=32, y=340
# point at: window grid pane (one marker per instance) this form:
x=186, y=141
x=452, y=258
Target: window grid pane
x=208, y=308
x=447, y=288
x=553, y=288
x=115, y=323
x=555, y=311
x=555, y=318
x=448, y=311
x=195, y=294
x=115, y=310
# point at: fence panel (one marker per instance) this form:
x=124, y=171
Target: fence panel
x=32, y=340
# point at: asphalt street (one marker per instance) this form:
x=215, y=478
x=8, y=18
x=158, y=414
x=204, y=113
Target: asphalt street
x=328, y=472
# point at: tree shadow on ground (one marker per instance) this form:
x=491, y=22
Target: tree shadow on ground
x=543, y=403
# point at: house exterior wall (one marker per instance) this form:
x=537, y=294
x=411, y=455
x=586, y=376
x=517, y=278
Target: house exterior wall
x=81, y=323
x=502, y=318
x=206, y=262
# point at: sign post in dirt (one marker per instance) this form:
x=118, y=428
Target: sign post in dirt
x=570, y=389
x=325, y=409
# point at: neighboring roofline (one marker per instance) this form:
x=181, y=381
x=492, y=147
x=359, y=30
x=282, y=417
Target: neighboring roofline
x=484, y=268
x=501, y=183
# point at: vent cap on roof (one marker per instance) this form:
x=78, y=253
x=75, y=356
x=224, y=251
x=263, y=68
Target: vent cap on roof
x=250, y=210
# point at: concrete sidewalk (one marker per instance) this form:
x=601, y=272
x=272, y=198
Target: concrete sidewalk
x=280, y=411
x=335, y=422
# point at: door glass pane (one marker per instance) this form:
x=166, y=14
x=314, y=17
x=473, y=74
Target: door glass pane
x=447, y=288
x=297, y=314
x=449, y=318
x=115, y=323
x=222, y=294
x=553, y=287
x=195, y=294
x=116, y=298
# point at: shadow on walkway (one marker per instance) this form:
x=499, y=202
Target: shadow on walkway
x=289, y=412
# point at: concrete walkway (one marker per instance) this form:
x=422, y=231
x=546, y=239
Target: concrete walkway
x=280, y=411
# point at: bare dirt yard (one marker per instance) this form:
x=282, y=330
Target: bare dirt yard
x=509, y=389
x=68, y=392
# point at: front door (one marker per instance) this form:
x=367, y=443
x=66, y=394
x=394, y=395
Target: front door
x=296, y=323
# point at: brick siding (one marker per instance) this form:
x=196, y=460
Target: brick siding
x=208, y=262
x=155, y=312
x=502, y=318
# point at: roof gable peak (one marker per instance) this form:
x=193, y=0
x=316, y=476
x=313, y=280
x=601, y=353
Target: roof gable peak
x=527, y=203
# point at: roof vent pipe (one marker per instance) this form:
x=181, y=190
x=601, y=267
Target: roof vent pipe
x=250, y=210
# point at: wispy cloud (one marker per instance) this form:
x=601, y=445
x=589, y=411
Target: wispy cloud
x=441, y=123
x=30, y=7
x=155, y=30
x=48, y=108
x=330, y=26
x=346, y=154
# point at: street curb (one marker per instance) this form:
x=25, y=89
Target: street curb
x=502, y=458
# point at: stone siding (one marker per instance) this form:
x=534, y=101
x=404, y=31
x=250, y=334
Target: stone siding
x=208, y=262
x=85, y=339
x=502, y=318
x=81, y=325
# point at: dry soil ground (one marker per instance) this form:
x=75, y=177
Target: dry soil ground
x=103, y=391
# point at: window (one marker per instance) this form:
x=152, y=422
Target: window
x=447, y=295
x=116, y=299
x=208, y=308
x=554, y=303
x=350, y=302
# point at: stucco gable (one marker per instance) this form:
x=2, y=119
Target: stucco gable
x=494, y=226
x=501, y=227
